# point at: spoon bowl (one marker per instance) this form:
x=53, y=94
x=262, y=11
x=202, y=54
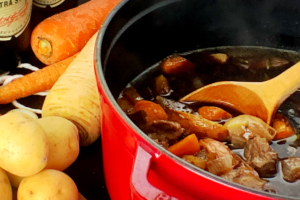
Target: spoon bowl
x=260, y=99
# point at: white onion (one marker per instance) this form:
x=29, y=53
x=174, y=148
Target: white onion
x=220, y=165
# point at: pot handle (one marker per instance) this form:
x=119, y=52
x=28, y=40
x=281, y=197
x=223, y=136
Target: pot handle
x=139, y=178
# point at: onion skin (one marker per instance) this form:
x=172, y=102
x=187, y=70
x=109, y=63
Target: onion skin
x=220, y=166
x=242, y=127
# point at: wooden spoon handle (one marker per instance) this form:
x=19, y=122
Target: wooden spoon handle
x=281, y=87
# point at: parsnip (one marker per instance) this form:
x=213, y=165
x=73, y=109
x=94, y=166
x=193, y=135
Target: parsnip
x=75, y=96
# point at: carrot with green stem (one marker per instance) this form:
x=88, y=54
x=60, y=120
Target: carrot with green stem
x=75, y=96
x=34, y=82
x=62, y=35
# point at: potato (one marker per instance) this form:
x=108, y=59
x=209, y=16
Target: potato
x=63, y=141
x=48, y=184
x=14, y=179
x=5, y=187
x=24, y=147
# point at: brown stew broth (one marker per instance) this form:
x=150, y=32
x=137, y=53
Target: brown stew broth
x=244, y=64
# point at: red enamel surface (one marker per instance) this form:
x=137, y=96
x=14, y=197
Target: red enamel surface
x=120, y=143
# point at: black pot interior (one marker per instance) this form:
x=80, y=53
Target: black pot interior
x=141, y=33
x=144, y=32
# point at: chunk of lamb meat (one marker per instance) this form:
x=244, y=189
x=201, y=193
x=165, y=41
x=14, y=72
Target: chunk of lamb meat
x=139, y=118
x=164, y=131
x=171, y=104
x=245, y=175
x=223, y=162
x=261, y=156
x=291, y=169
x=161, y=131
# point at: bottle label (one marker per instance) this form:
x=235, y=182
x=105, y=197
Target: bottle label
x=14, y=17
x=45, y=3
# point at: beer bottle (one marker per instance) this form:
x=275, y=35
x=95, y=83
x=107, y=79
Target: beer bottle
x=54, y=6
x=14, y=32
x=43, y=9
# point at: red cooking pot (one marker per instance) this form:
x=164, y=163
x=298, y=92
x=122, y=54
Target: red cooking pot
x=138, y=34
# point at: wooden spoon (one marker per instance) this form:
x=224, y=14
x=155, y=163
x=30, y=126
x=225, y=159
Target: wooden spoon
x=260, y=99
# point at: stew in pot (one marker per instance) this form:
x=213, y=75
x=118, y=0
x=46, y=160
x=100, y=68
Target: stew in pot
x=235, y=146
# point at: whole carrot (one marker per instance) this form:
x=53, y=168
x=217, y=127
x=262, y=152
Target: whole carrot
x=34, y=82
x=75, y=96
x=62, y=35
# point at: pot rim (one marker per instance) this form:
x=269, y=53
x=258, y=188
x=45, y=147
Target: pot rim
x=100, y=74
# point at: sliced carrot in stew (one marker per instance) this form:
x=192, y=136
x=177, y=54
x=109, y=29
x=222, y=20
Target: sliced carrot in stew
x=283, y=127
x=176, y=64
x=213, y=113
x=187, y=146
x=154, y=111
